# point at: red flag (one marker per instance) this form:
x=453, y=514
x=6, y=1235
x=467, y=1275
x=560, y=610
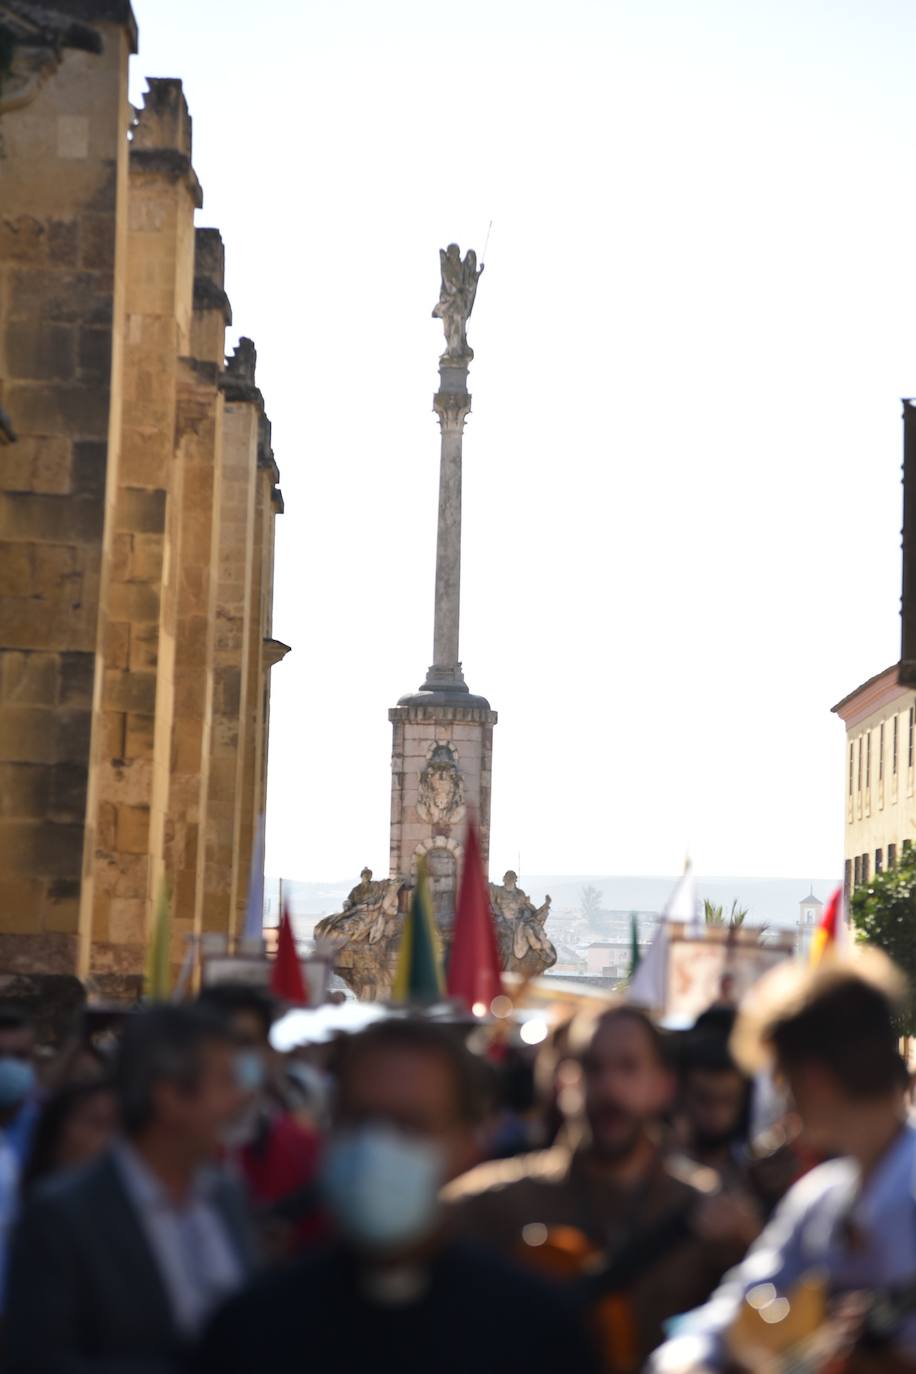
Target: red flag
x=473, y=968
x=286, y=981
x=829, y=929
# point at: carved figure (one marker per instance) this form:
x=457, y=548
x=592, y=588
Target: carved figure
x=456, y=300
x=440, y=797
x=365, y=893
x=524, y=944
x=363, y=935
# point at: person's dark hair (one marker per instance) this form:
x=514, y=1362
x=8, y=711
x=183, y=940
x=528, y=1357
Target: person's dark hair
x=585, y=1027
x=226, y=1000
x=162, y=1044
x=52, y=1123
x=421, y=1037
x=839, y=1015
x=14, y=1017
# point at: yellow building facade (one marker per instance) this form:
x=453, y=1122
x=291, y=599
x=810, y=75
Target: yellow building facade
x=880, y=782
x=138, y=494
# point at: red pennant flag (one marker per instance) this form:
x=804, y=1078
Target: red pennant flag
x=286, y=981
x=829, y=929
x=473, y=968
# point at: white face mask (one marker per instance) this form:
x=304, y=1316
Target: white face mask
x=383, y=1186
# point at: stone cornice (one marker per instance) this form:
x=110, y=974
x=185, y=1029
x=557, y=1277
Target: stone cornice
x=169, y=163
x=101, y=12
x=209, y=296
x=477, y=715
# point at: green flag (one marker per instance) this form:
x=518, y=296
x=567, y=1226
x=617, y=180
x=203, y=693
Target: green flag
x=418, y=977
x=158, y=960
x=635, y=955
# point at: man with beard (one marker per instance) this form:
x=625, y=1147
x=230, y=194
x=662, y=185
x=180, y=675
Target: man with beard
x=610, y=1180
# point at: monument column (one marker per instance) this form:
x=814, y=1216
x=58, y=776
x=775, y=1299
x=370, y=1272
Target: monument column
x=452, y=404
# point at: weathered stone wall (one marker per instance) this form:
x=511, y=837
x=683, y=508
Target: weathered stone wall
x=136, y=519
x=63, y=175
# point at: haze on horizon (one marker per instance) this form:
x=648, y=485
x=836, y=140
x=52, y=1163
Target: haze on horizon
x=682, y=500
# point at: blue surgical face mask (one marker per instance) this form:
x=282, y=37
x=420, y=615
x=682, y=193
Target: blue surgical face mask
x=249, y=1071
x=383, y=1186
x=17, y=1079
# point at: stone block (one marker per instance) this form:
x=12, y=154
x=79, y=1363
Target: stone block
x=140, y=511
x=77, y=673
x=25, y=516
x=40, y=351
x=63, y=242
x=68, y=787
x=94, y=355
x=55, y=573
x=97, y=242
x=42, y=408
x=24, y=790
x=60, y=850
x=39, y=463
x=129, y=691
x=139, y=736
x=116, y=644
x=90, y=462
x=127, y=920
x=133, y=829
x=23, y=239
x=65, y=297
x=133, y=601
x=113, y=736
x=27, y=734
x=73, y=735
x=146, y=557
x=119, y=561
x=144, y=648
x=15, y=569
x=106, y=829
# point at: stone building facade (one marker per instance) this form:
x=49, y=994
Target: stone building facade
x=138, y=492
x=880, y=791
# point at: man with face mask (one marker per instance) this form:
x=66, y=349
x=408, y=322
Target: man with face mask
x=273, y=1153
x=395, y=1289
x=610, y=1179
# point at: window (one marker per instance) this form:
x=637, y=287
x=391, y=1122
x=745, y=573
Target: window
x=896, y=745
x=857, y=875
x=859, y=774
x=881, y=753
x=868, y=759
x=879, y=860
x=847, y=876
x=907, y=846
x=892, y=856
x=852, y=760
x=909, y=748
x=865, y=868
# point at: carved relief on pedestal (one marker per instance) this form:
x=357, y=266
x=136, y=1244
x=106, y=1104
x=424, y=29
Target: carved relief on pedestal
x=520, y=928
x=440, y=800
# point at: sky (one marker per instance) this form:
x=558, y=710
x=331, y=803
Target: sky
x=682, y=468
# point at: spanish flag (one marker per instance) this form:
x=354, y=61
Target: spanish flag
x=418, y=977
x=829, y=929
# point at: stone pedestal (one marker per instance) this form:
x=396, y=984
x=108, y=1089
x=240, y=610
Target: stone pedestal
x=441, y=767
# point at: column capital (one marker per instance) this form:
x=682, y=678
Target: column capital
x=453, y=408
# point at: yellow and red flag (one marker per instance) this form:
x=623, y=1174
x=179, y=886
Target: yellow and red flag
x=829, y=930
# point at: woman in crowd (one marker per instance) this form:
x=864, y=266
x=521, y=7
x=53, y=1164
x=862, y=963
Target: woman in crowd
x=75, y=1125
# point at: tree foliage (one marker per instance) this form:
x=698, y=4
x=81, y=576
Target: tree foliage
x=884, y=914
x=715, y=914
x=590, y=900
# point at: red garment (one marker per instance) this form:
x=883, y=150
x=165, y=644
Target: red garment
x=280, y=1162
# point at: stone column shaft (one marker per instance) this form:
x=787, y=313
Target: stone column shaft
x=452, y=404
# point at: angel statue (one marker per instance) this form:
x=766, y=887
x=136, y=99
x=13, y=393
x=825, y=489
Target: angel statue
x=456, y=300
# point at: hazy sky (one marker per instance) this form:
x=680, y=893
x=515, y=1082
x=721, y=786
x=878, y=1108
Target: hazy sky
x=682, y=500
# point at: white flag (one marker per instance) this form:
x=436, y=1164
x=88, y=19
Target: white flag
x=648, y=987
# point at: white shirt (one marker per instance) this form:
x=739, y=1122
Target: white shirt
x=193, y=1251
x=812, y=1229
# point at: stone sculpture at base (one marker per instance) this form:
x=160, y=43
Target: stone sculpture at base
x=524, y=945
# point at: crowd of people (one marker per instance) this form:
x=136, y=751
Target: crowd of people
x=178, y=1196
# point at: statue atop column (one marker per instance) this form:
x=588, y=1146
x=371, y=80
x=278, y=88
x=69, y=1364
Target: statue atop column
x=524, y=945
x=456, y=301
